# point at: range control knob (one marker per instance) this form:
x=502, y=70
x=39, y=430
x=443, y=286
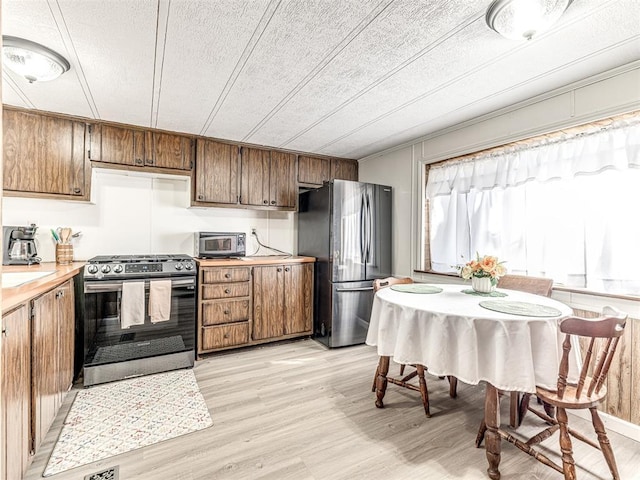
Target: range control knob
x=189, y=266
x=105, y=269
x=117, y=269
x=179, y=266
x=92, y=269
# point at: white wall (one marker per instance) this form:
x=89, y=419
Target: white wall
x=610, y=93
x=133, y=213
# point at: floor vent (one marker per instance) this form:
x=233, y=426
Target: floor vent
x=108, y=474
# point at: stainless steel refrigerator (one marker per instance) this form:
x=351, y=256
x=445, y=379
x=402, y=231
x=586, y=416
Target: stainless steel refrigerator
x=347, y=227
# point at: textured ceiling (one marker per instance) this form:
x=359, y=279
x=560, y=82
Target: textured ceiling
x=335, y=77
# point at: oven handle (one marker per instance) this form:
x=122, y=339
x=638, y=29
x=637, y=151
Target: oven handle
x=97, y=287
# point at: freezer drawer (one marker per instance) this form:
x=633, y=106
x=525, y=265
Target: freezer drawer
x=348, y=321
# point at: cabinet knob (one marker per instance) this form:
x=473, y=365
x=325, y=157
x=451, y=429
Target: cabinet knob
x=227, y=275
x=273, y=202
x=266, y=202
x=138, y=161
x=200, y=197
x=227, y=291
x=287, y=269
x=227, y=312
x=77, y=190
x=278, y=269
x=150, y=161
x=226, y=335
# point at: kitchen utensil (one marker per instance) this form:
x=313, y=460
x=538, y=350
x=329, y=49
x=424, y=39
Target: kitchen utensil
x=65, y=235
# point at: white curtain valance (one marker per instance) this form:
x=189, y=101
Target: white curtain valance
x=617, y=148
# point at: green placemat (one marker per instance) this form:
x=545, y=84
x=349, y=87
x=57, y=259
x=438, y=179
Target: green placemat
x=416, y=288
x=471, y=291
x=520, y=308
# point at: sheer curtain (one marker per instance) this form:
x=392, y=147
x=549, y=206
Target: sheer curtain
x=568, y=209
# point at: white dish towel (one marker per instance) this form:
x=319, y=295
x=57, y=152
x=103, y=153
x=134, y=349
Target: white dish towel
x=159, y=300
x=132, y=304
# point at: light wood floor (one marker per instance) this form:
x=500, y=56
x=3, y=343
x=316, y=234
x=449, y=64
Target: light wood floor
x=297, y=411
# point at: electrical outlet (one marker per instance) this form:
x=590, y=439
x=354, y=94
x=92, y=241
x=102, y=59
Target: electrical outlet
x=253, y=230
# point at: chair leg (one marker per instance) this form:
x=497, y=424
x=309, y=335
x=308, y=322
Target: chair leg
x=402, y=369
x=381, y=381
x=523, y=407
x=568, y=463
x=424, y=393
x=453, y=386
x=375, y=379
x=603, y=440
x=514, y=401
x=480, y=435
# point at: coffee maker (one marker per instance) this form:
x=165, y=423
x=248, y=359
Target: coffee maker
x=19, y=245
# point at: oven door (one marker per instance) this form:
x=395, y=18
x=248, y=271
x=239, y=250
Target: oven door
x=105, y=342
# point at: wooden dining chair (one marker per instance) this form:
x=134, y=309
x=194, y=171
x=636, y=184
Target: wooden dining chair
x=538, y=286
x=602, y=335
x=419, y=370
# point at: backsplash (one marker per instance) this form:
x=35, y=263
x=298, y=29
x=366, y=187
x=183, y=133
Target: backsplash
x=134, y=213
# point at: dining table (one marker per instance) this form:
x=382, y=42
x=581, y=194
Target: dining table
x=507, y=339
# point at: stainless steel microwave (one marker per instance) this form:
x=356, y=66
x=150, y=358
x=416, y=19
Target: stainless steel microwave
x=220, y=244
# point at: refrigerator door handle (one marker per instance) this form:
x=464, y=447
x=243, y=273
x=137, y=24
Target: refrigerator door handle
x=369, y=229
x=361, y=289
x=363, y=229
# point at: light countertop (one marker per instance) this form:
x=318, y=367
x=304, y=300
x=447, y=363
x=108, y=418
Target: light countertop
x=14, y=296
x=251, y=261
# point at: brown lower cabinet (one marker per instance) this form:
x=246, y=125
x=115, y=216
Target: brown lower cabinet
x=16, y=393
x=244, y=303
x=37, y=373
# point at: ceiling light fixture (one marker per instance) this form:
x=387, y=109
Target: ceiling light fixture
x=522, y=19
x=31, y=60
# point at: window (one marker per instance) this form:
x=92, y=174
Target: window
x=567, y=208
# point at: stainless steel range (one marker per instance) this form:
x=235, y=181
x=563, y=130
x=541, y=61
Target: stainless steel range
x=140, y=315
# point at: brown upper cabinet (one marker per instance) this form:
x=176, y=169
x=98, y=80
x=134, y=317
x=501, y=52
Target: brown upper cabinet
x=268, y=178
x=343, y=169
x=215, y=178
x=313, y=170
x=44, y=155
x=120, y=145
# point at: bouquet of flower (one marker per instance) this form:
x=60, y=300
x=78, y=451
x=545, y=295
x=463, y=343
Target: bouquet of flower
x=486, y=266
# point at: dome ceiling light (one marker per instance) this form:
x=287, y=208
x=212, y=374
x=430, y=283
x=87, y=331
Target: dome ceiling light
x=31, y=60
x=523, y=19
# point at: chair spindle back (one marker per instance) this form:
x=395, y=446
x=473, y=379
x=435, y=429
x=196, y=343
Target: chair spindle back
x=599, y=354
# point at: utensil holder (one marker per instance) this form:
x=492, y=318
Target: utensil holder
x=64, y=254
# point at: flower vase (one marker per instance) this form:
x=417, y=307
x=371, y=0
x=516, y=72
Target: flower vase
x=482, y=284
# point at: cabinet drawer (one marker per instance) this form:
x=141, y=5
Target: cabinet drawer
x=225, y=335
x=220, y=275
x=217, y=312
x=225, y=290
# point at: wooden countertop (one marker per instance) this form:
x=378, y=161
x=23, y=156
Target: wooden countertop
x=252, y=261
x=14, y=296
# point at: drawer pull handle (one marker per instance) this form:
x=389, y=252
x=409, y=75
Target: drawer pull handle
x=227, y=291
x=227, y=275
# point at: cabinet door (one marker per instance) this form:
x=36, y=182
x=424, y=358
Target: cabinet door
x=43, y=154
x=16, y=394
x=343, y=169
x=298, y=299
x=216, y=173
x=254, y=175
x=66, y=331
x=44, y=361
x=283, y=190
x=268, y=302
x=170, y=151
x=313, y=170
x=118, y=145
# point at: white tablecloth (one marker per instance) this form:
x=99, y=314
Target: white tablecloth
x=451, y=334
